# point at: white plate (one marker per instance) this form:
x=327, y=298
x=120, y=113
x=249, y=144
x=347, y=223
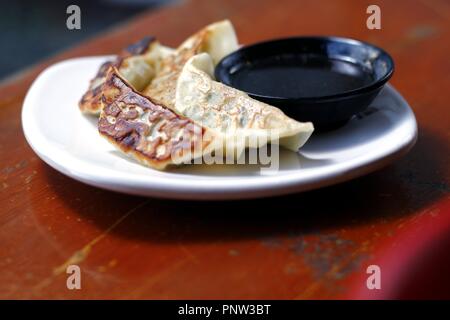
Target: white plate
x=69, y=142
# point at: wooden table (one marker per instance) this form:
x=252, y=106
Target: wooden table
x=312, y=245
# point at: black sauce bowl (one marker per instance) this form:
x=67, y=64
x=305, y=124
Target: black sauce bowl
x=326, y=111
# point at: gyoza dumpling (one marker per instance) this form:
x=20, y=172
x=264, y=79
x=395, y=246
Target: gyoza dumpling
x=230, y=111
x=217, y=39
x=138, y=64
x=146, y=130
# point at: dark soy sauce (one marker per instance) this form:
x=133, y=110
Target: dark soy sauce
x=294, y=76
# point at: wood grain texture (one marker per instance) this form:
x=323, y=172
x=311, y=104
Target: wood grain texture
x=310, y=245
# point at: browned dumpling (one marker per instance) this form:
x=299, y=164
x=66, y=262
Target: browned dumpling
x=138, y=64
x=146, y=130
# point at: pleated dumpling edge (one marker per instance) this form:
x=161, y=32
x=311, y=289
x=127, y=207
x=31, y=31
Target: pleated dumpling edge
x=232, y=112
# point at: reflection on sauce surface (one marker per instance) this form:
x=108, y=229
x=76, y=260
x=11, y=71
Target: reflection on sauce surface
x=296, y=76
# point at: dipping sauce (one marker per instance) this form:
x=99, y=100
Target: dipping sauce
x=325, y=80
x=299, y=76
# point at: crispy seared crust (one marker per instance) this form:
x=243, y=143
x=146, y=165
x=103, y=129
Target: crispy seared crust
x=90, y=102
x=149, y=132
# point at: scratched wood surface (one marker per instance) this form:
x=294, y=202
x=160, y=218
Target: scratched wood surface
x=311, y=245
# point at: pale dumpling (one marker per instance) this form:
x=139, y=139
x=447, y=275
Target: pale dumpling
x=232, y=112
x=138, y=64
x=218, y=39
